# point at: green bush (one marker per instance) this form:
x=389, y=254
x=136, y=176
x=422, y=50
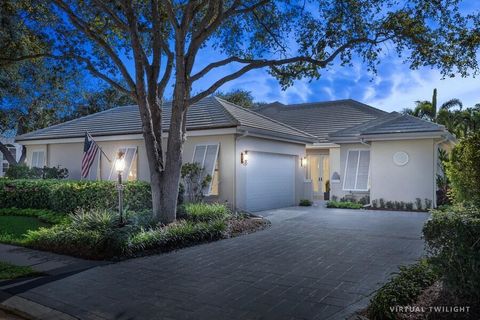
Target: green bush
x=453, y=239
x=401, y=290
x=463, y=170
x=305, y=203
x=344, y=205
x=22, y=171
x=43, y=215
x=94, y=234
x=206, y=211
x=177, y=235
x=66, y=196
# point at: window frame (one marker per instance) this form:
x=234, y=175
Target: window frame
x=356, y=171
x=206, y=145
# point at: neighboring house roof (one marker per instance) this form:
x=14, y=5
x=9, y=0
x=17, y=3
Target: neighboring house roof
x=322, y=118
x=391, y=123
x=209, y=113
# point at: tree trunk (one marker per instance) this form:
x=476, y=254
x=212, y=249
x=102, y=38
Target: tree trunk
x=7, y=155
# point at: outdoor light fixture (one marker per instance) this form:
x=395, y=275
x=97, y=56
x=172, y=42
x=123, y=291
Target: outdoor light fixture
x=244, y=157
x=120, y=166
x=303, y=162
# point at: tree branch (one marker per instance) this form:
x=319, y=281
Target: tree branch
x=118, y=21
x=82, y=25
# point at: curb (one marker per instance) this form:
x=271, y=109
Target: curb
x=33, y=311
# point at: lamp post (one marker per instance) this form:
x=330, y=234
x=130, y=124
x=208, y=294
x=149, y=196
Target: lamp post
x=120, y=166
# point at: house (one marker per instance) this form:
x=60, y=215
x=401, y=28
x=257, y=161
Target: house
x=267, y=158
x=15, y=150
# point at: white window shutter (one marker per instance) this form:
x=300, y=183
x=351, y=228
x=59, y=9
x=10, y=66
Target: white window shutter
x=350, y=170
x=363, y=170
x=199, y=155
x=209, y=164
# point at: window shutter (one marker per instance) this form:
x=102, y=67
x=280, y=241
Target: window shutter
x=209, y=164
x=363, y=170
x=351, y=170
x=199, y=155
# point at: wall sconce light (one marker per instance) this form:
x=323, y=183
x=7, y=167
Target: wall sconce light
x=303, y=162
x=244, y=158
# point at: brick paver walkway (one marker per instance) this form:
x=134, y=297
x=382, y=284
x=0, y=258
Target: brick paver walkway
x=312, y=263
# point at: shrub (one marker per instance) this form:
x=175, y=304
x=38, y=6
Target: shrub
x=344, y=204
x=375, y=204
x=418, y=204
x=43, y=215
x=66, y=196
x=401, y=290
x=305, y=203
x=94, y=234
x=364, y=200
x=409, y=206
x=22, y=171
x=177, y=235
x=194, y=181
x=205, y=212
x=452, y=238
x=428, y=204
x=389, y=205
x=334, y=198
x=382, y=203
x=463, y=170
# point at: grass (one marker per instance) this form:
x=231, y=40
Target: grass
x=14, y=228
x=10, y=271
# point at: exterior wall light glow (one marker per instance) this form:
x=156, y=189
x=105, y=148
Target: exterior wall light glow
x=120, y=166
x=244, y=158
x=303, y=162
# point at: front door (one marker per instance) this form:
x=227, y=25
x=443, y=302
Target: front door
x=317, y=171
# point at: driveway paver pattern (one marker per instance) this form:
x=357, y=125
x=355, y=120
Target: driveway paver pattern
x=312, y=263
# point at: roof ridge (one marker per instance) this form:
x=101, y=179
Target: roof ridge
x=265, y=117
x=424, y=120
x=381, y=120
x=387, y=120
x=58, y=125
x=225, y=111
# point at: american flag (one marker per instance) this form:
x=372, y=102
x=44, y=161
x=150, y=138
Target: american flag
x=90, y=149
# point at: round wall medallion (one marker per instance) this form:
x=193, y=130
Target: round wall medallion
x=400, y=158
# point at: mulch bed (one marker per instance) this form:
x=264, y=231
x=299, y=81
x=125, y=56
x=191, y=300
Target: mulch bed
x=242, y=226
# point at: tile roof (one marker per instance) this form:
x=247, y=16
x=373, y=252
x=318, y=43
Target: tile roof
x=209, y=113
x=390, y=123
x=322, y=118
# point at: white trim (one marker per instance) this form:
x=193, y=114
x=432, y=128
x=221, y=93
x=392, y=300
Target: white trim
x=356, y=171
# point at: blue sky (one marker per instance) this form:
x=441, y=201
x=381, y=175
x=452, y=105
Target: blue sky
x=393, y=88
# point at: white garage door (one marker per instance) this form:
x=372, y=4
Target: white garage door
x=270, y=181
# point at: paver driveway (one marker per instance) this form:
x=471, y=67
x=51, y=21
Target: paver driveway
x=312, y=263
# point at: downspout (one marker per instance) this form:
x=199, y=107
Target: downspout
x=245, y=134
x=435, y=167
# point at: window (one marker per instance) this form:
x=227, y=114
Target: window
x=130, y=172
x=5, y=165
x=206, y=157
x=357, y=171
x=38, y=159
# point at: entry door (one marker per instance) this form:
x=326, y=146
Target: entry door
x=315, y=170
x=318, y=172
x=270, y=181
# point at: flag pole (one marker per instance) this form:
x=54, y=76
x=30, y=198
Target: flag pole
x=101, y=150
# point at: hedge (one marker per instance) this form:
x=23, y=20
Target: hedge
x=453, y=240
x=68, y=195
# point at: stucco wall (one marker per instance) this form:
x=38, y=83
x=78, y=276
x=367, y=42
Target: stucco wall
x=69, y=155
x=402, y=183
x=271, y=146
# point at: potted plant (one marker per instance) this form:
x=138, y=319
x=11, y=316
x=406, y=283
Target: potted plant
x=326, y=194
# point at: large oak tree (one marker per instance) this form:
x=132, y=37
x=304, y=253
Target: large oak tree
x=163, y=40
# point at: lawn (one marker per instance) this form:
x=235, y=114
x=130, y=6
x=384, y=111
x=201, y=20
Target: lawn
x=14, y=228
x=10, y=271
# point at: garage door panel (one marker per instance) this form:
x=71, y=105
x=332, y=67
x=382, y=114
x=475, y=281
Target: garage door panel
x=270, y=181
